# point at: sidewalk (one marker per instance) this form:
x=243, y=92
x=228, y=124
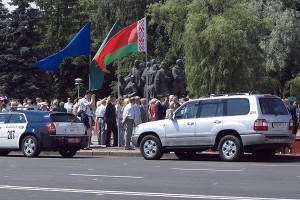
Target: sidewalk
x=102, y=150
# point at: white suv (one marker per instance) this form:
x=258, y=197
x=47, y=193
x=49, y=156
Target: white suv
x=232, y=124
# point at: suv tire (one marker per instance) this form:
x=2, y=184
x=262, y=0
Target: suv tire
x=264, y=155
x=185, y=155
x=230, y=148
x=151, y=148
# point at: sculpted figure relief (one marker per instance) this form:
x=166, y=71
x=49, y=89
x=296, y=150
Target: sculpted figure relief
x=131, y=88
x=137, y=74
x=178, y=79
x=162, y=80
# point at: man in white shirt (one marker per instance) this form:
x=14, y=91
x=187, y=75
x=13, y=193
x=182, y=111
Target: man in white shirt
x=128, y=122
x=68, y=106
x=86, y=104
x=137, y=111
x=101, y=122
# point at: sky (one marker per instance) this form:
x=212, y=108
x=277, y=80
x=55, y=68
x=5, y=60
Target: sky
x=10, y=8
x=5, y=2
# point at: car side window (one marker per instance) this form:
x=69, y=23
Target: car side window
x=35, y=118
x=211, y=109
x=237, y=107
x=3, y=118
x=17, y=118
x=189, y=110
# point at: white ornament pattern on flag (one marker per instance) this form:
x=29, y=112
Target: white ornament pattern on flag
x=142, y=34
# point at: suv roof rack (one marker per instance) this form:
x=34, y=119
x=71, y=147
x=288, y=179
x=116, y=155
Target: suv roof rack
x=229, y=94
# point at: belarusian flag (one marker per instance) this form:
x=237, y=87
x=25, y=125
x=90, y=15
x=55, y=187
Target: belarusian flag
x=129, y=40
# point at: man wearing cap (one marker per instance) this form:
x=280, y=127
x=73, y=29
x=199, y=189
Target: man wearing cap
x=86, y=105
x=128, y=122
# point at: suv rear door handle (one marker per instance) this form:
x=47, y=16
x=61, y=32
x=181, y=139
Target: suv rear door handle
x=190, y=123
x=217, y=122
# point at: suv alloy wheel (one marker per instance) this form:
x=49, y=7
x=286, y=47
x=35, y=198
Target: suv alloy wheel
x=151, y=148
x=230, y=148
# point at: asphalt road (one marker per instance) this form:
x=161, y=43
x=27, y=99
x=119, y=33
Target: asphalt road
x=206, y=177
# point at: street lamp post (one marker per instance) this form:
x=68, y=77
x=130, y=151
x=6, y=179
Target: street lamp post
x=78, y=82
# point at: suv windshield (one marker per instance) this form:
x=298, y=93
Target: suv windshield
x=272, y=106
x=64, y=118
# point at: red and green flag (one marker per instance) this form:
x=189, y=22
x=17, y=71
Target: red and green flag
x=129, y=40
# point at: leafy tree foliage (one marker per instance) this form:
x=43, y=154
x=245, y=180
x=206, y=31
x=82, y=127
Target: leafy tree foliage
x=221, y=52
x=281, y=44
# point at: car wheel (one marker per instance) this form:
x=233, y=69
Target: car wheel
x=185, y=155
x=67, y=153
x=230, y=148
x=151, y=148
x=4, y=153
x=30, y=146
x=265, y=154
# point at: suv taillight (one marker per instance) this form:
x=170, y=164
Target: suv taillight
x=51, y=128
x=260, y=125
x=291, y=124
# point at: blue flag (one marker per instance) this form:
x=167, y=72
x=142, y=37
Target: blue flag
x=96, y=74
x=79, y=45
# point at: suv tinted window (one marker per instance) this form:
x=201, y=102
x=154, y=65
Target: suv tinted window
x=211, y=109
x=187, y=111
x=237, y=107
x=64, y=118
x=272, y=106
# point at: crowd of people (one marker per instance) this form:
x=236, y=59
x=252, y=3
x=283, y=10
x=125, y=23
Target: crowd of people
x=115, y=118
x=111, y=118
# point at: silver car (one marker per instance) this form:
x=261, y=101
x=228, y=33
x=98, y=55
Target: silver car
x=231, y=124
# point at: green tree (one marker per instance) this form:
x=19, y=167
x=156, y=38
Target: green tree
x=221, y=47
x=281, y=44
x=18, y=76
x=4, y=20
x=59, y=21
x=168, y=19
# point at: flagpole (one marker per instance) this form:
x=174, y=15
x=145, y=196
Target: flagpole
x=146, y=52
x=118, y=112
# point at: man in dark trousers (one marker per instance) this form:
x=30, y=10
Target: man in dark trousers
x=160, y=108
x=110, y=119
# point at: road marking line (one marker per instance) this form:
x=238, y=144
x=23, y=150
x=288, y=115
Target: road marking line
x=102, y=192
x=213, y=170
x=273, y=165
x=109, y=176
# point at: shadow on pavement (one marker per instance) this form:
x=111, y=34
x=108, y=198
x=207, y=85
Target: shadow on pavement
x=285, y=158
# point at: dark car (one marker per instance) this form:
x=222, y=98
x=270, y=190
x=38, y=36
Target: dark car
x=34, y=131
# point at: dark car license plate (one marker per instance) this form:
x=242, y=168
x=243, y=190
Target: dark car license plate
x=73, y=140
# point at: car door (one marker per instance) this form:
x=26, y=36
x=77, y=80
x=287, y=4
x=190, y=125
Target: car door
x=180, y=130
x=209, y=121
x=14, y=128
x=3, y=119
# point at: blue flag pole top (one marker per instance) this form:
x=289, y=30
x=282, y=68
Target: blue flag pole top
x=79, y=45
